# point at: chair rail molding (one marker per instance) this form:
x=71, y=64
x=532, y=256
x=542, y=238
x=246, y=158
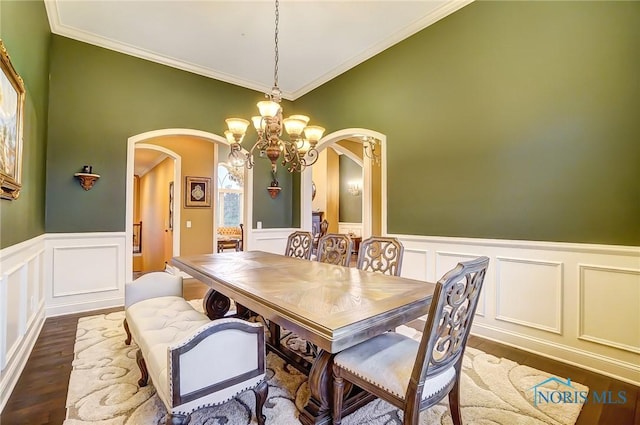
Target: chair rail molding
x=548, y=297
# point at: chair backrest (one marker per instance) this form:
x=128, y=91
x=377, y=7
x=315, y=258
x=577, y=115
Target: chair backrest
x=448, y=324
x=380, y=254
x=334, y=248
x=299, y=245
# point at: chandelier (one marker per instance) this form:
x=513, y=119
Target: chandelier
x=297, y=153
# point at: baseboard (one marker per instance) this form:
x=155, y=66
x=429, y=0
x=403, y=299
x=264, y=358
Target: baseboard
x=81, y=307
x=11, y=374
x=593, y=362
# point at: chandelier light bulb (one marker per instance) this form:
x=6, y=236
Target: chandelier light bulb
x=237, y=126
x=268, y=108
x=313, y=133
x=258, y=123
x=293, y=126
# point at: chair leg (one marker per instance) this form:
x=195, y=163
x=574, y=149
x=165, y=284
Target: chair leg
x=177, y=419
x=126, y=329
x=144, y=378
x=454, y=403
x=338, y=388
x=261, y=392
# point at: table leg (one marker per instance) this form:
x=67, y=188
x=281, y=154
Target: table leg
x=215, y=304
x=318, y=408
x=317, y=411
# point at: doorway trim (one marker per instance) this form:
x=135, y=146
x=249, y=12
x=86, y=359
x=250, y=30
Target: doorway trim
x=306, y=181
x=144, y=139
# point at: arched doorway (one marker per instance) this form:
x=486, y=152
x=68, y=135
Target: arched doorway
x=367, y=183
x=146, y=139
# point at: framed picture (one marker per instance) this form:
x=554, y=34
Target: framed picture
x=198, y=192
x=12, y=95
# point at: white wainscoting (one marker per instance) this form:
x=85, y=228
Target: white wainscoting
x=269, y=240
x=84, y=271
x=21, y=308
x=577, y=303
x=350, y=228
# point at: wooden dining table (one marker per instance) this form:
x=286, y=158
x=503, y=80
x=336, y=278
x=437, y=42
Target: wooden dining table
x=332, y=307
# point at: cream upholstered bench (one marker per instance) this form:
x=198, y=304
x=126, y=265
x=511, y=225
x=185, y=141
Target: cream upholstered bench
x=192, y=361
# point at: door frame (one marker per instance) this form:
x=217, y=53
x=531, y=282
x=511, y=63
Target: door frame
x=146, y=139
x=367, y=202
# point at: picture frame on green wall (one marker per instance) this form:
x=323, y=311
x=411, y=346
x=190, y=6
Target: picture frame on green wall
x=12, y=94
x=198, y=192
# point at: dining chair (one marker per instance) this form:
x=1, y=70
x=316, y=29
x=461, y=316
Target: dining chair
x=381, y=254
x=299, y=245
x=321, y=231
x=415, y=375
x=334, y=248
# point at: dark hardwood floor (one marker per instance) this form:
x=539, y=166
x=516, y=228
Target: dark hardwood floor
x=40, y=395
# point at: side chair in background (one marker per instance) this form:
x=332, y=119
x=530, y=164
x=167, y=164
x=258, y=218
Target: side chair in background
x=299, y=245
x=381, y=254
x=334, y=248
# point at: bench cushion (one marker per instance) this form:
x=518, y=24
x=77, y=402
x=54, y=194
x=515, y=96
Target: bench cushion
x=157, y=323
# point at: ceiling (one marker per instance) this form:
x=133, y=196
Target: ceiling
x=233, y=41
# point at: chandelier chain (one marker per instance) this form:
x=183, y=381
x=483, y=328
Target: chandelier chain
x=275, y=69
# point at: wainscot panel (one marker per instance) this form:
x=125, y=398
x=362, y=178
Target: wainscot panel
x=84, y=271
x=270, y=240
x=549, y=298
x=21, y=309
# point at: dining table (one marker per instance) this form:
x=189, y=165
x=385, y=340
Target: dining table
x=332, y=307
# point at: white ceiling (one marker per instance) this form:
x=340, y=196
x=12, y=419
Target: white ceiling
x=233, y=41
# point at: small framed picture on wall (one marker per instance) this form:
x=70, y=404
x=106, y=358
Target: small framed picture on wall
x=198, y=192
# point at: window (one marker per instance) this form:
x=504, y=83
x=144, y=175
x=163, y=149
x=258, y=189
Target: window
x=230, y=195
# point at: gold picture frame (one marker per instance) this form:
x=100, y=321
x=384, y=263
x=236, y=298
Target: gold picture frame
x=197, y=192
x=12, y=94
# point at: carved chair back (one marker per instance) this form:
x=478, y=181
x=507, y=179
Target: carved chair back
x=380, y=254
x=334, y=248
x=299, y=245
x=448, y=324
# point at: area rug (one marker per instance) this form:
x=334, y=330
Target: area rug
x=103, y=390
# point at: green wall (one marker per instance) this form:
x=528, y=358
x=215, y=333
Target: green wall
x=100, y=98
x=24, y=29
x=507, y=120
x=349, y=206
x=511, y=120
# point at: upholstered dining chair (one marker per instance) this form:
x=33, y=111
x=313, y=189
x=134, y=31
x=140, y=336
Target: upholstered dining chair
x=299, y=245
x=334, y=248
x=415, y=375
x=380, y=254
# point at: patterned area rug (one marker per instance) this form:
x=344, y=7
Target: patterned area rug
x=103, y=390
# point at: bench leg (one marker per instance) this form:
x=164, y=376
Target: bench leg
x=126, y=329
x=144, y=379
x=177, y=419
x=261, y=392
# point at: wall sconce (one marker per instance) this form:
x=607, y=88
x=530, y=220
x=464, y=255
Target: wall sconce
x=274, y=187
x=86, y=177
x=354, y=188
